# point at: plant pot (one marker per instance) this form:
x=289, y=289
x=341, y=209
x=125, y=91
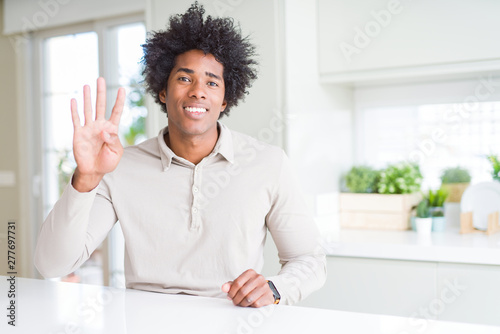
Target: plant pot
x=455, y=191
x=423, y=225
x=412, y=223
x=377, y=211
x=436, y=211
x=438, y=224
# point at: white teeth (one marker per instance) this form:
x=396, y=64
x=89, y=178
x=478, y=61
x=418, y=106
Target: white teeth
x=191, y=109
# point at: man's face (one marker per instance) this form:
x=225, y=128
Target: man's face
x=195, y=94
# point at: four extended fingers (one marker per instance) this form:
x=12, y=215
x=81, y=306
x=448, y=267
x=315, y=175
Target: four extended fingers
x=100, y=105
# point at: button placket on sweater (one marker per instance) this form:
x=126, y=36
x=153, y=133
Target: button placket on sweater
x=195, y=189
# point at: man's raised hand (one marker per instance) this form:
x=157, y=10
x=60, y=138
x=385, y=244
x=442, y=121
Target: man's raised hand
x=96, y=146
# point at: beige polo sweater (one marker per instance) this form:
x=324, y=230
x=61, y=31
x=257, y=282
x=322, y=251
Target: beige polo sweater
x=190, y=228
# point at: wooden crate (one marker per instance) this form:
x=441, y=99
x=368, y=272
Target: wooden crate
x=377, y=211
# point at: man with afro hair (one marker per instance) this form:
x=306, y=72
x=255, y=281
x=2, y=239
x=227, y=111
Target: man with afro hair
x=196, y=202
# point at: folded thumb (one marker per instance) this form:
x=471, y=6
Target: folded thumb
x=106, y=137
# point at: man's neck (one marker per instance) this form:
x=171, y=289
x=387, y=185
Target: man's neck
x=191, y=148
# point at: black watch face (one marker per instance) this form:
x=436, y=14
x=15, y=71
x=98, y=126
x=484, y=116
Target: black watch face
x=275, y=292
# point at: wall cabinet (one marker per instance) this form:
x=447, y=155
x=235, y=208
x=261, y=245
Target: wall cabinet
x=375, y=286
x=372, y=40
x=477, y=291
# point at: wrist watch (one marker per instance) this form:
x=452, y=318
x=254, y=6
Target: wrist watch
x=276, y=294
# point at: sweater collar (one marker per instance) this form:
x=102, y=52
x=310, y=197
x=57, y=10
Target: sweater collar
x=223, y=146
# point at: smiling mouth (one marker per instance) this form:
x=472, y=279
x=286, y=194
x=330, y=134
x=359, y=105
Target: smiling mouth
x=195, y=110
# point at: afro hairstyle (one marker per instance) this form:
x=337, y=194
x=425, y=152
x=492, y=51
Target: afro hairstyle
x=217, y=36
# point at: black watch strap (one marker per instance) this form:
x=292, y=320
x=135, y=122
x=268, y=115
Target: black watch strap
x=277, y=296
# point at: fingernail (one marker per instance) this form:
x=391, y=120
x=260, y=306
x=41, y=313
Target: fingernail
x=229, y=298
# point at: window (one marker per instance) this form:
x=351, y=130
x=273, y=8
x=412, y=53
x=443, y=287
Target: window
x=436, y=136
x=69, y=60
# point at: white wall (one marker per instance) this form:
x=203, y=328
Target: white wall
x=319, y=135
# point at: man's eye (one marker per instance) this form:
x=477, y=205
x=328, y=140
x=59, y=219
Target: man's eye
x=183, y=79
x=213, y=84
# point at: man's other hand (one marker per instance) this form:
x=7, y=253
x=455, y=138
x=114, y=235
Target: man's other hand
x=249, y=289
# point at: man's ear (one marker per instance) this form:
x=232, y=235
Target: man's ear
x=163, y=96
x=224, y=105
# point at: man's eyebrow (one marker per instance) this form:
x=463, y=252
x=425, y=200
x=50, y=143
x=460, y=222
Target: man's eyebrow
x=184, y=69
x=212, y=75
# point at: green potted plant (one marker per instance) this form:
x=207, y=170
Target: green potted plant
x=362, y=179
x=423, y=220
x=455, y=180
x=380, y=200
x=436, y=208
x=400, y=179
x=495, y=164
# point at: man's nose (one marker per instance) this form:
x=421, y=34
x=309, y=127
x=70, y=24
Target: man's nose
x=197, y=90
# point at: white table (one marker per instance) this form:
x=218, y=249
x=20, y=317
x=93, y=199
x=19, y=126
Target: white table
x=449, y=246
x=55, y=308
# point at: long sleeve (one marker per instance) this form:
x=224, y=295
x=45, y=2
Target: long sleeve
x=75, y=227
x=297, y=240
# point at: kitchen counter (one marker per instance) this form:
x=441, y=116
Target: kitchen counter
x=54, y=307
x=449, y=246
